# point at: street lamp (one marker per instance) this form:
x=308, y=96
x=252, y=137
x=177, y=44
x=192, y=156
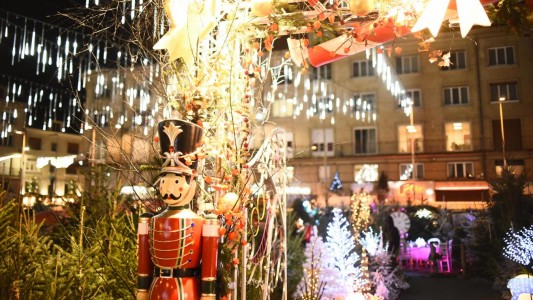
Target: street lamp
x=503, y=134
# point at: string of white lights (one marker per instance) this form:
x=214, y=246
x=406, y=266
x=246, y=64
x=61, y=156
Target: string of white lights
x=71, y=56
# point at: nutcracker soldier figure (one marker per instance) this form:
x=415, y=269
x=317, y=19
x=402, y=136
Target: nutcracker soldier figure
x=174, y=243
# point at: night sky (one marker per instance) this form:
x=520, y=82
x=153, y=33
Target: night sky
x=44, y=10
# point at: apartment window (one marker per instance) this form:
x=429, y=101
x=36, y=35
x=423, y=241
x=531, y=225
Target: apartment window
x=73, y=148
x=407, y=64
x=322, y=140
x=458, y=136
x=5, y=168
x=456, y=95
x=289, y=143
x=53, y=147
x=512, y=131
x=457, y=61
x=516, y=166
x=407, y=171
x=508, y=90
x=408, y=133
x=34, y=143
x=365, y=140
x=7, y=141
x=103, y=92
x=68, y=189
x=107, y=92
x=282, y=107
x=289, y=172
x=57, y=126
x=501, y=56
x=322, y=105
x=366, y=173
x=72, y=169
x=460, y=170
x=364, y=102
x=362, y=68
x=324, y=174
x=415, y=95
x=31, y=165
x=322, y=72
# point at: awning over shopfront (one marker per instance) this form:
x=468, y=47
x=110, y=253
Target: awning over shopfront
x=413, y=192
x=461, y=191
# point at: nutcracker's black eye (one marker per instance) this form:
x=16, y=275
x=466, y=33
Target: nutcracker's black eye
x=176, y=181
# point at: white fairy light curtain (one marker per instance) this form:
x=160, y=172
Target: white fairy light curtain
x=387, y=74
x=120, y=103
x=314, y=94
x=128, y=10
x=42, y=105
x=62, y=61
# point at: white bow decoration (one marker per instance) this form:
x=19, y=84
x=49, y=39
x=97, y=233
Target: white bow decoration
x=297, y=50
x=470, y=13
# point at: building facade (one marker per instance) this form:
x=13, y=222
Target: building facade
x=46, y=162
x=345, y=120
x=454, y=136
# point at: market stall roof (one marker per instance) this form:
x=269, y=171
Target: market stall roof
x=461, y=185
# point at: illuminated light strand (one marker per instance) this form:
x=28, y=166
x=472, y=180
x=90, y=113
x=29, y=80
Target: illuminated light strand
x=382, y=66
x=360, y=204
x=58, y=162
x=373, y=242
x=31, y=93
x=321, y=98
x=519, y=245
x=61, y=53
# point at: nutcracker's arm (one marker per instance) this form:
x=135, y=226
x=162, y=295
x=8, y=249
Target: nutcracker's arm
x=144, y=261
x=209, y=257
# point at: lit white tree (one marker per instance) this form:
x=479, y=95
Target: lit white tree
x=519, y=246
x=373, y=242
x=387, y=282
x=340, y=272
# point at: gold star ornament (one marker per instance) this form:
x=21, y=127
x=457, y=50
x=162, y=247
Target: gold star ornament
x=189, y=23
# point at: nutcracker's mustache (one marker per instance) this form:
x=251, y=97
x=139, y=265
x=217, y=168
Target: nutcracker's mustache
x=171, y=196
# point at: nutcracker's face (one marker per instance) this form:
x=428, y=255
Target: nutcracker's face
x=176, y=189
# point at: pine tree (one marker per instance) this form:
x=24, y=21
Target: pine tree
x=25, y=271
x=340, y=271
x=96, y=260
x=336, y=185
x=100, y=262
